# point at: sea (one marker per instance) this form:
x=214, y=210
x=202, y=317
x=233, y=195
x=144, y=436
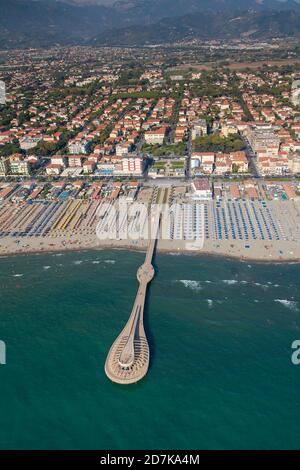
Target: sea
x=220, y=334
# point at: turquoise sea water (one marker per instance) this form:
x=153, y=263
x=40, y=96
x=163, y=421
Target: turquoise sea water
x=220, y=334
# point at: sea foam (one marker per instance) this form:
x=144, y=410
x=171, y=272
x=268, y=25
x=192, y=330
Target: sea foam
x=230, y=282
x=193, y=285
x=290, y=304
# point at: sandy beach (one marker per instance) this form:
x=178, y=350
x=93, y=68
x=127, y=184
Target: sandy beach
x=275, y=251
x=246, y=230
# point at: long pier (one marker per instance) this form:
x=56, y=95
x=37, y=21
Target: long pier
x=128, y=359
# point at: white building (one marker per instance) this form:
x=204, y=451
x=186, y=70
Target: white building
x=294, y=164
x=122, y=149
x=75, y=161
x=4, y=166
x=155, y=137
x=19, y=166
x=59, y=160
x=296, y=92
x=263, y=140
x=132, y=165
x=53, y=169
x=199, y=128
x=78, y=146
x=2, y=92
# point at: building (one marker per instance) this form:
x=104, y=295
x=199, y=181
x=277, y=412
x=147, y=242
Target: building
x=289, y=191
x=132, y=165
x=59, y=160
x=78, y=147
x=263, y=140
x=235, y=191
x=222, y=167
x=35, y=193
x=296, y=92
x=75, y=161
x=89, y=166
x=4, y=166
x=19, y=166
x=122, y=149
x=294, y=165
x=201, y=189
x=229, y=128
x=239, y=162
x=53, y=169
x=202, y=162
x=106, y=169
x=156, y=136
x=199, y=128
x=176, y=78
x=6, y=192
x=2, y=92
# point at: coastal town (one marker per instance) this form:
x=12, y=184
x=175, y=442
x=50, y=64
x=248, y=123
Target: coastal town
x=82, y=130
x=149, y=230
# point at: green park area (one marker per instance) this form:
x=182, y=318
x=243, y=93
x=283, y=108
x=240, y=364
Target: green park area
x=164, y=150
x=218, y=143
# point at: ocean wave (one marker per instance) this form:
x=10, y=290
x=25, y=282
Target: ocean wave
x=193, y=285
x=18, y=275
x=96, y=262
x=109, y=261
x=290, y=304
x=230, y=282
x=263, y=286
x=46, y=267
x=77, y=262
x=210, y=303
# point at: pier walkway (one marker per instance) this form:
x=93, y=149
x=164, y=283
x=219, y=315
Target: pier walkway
x=128, y=359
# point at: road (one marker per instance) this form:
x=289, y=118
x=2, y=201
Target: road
x=251, y=158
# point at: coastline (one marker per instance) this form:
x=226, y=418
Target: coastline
x=142, y=246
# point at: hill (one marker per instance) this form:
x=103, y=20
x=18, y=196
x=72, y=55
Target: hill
x=207, y=25
x=38, y=23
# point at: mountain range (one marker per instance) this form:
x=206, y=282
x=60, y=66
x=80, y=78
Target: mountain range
x=259, y=25
x=38, y=23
